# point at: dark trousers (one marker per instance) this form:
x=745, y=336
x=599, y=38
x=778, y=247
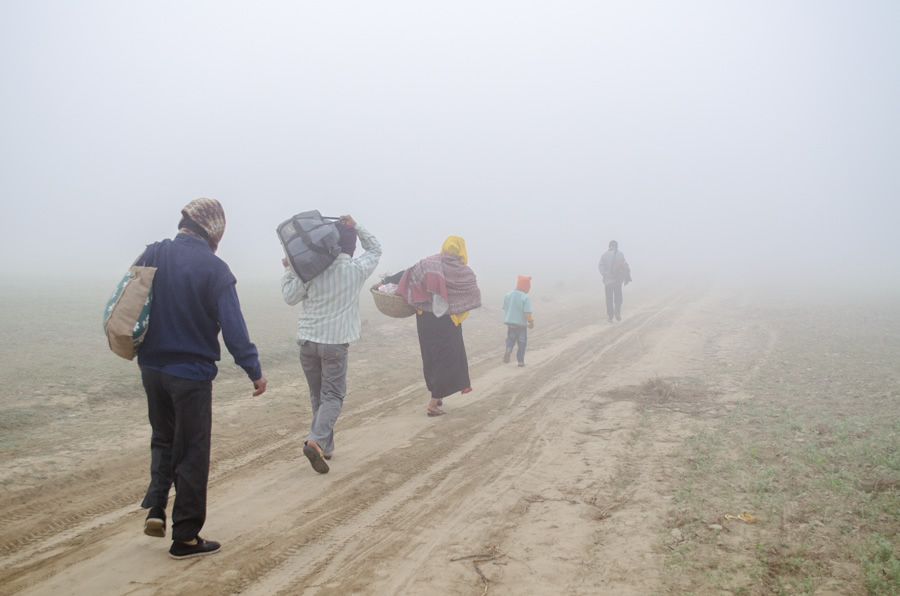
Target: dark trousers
x=517, y=335
x=613, y=300
x=444, y=362
x=180, y=412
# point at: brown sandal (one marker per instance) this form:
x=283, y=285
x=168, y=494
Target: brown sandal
x=316, y=459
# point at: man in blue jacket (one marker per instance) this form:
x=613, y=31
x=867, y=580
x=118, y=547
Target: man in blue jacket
x=194, y=297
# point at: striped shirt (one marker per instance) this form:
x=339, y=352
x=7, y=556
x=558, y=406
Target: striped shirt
x=331, y=299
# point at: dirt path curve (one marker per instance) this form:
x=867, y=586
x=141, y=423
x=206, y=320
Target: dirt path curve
x=546, y=479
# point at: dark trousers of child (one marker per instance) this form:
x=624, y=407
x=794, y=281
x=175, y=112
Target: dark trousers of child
x=514, y=336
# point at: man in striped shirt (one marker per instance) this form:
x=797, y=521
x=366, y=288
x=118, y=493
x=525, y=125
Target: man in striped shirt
x=328, y=323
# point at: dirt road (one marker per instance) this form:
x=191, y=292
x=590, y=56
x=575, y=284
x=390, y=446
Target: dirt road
x=553, y=478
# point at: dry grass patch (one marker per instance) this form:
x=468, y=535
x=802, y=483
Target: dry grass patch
x=684, y=395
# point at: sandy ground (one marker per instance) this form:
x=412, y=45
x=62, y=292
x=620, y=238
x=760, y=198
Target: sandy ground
x=553, y=478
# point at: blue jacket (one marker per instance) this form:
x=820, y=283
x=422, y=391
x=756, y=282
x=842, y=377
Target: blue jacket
x=515, y=305
x=194, y=297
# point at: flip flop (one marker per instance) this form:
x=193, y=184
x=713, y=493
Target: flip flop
x=433, y=414
x=327, y=455
x=316, y=459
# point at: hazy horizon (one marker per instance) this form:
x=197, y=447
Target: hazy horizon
x=756, y=142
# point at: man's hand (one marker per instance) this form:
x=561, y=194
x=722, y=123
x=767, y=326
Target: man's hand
x=284, y=262
x=347, y=220
x=260, y=386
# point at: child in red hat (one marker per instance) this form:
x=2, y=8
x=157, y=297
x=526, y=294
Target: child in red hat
x=518, y=319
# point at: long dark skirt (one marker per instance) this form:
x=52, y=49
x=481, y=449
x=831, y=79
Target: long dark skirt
x=444, y=359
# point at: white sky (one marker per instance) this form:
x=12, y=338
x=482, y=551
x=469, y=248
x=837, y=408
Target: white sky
x=744, y=135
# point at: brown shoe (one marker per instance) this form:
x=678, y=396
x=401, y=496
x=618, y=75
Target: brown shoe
x=316, y=459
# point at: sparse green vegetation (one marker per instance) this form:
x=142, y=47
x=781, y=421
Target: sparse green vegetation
x=814, y=461
x=882, y=568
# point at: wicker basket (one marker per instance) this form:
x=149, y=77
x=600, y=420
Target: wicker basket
x=391, y=304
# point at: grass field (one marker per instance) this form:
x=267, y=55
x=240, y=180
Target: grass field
x=814, y=451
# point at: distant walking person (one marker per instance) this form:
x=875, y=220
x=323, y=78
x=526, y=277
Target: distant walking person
x=328, y=323
x=518, y=319
x=194, y=298
x=615, y=272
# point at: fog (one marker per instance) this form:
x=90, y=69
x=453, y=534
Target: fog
x=758, y=141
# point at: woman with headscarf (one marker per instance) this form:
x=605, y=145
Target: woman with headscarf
x=443, y=289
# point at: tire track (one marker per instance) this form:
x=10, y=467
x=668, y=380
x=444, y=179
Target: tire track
x=426, y=464
x=426, y=470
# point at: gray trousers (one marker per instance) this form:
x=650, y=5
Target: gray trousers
x=325, y=367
